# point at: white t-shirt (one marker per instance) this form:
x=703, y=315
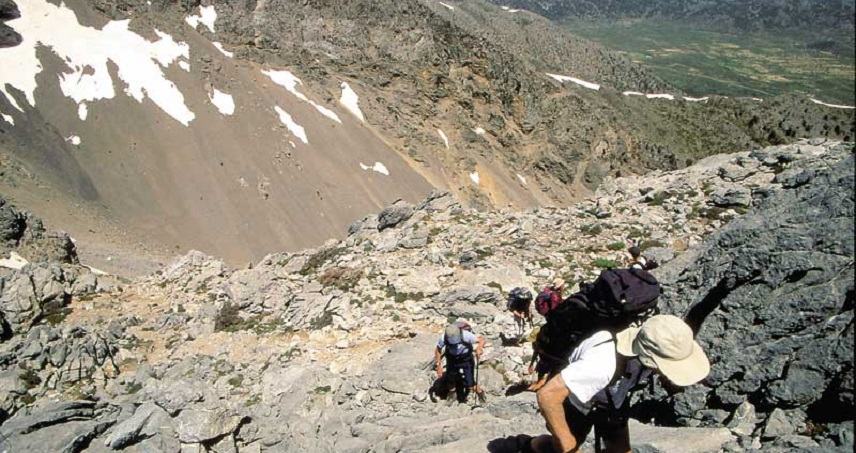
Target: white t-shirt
x=591, y=368
x=458, y=349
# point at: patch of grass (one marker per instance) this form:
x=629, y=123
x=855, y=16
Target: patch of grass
x=659, y=198
x=30, y=378
x=616, y=246
x=495, y=285
x=604, y=263
x=133, y=388
x=322, y=390
x=484, y=252
x=650, y=244
x=592, y=229
x=321, y=258
x=236, y=381
x=56, y=316
x=227, y=318
x=252, y=400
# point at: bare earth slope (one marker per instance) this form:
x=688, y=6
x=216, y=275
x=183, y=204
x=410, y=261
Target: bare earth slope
x=315, y=113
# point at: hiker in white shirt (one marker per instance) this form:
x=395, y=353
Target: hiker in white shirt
x=663, y=343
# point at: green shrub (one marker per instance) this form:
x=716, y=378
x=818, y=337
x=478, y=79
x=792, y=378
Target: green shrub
x=659, y=198
x=319, y=259
x=592, y=229
x=604, y=263
x=616, y=246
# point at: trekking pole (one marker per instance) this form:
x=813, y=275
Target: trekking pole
x=479, y=391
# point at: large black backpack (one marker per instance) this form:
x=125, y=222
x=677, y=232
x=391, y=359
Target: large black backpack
x=617, y=299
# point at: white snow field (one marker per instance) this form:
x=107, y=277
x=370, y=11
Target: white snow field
x=377, y=167
x=583, y=83
x=224, y=102
x=443, y=137
x=290, y=82
x=351, y=101
x=87, y=51
x=291, y=125
x=835, y=106
x=207, y=16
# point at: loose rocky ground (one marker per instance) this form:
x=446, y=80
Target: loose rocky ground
x=329, y=349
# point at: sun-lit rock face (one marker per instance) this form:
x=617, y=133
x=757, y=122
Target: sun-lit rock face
x=330, y=348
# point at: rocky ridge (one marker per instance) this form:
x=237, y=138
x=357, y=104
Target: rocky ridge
x=329, y=349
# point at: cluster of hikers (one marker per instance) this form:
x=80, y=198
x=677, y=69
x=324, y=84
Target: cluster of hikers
x=595, y=348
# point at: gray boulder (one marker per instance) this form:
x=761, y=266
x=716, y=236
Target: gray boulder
x=202, y=425
x=148, y=420
x=65, y=427
x=730, y=197
x=771, y=297
x=25, y=234
x=399, y=212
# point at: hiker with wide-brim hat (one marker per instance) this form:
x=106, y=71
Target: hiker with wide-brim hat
x=664, y=345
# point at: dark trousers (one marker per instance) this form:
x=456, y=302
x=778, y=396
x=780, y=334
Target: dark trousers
x=612, y=426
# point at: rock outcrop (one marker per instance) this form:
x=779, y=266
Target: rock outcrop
x=24, y=234
x=8, y=37
x=772, y=299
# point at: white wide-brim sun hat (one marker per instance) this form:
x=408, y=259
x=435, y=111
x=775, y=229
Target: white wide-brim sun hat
x=666, y=342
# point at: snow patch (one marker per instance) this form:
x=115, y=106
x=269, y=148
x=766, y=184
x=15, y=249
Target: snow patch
x=7, y=118
x=835, y=106
x=290, y=82
x=224, y=102
x=377, y=167
x=95, y=270
x=633, y=93
x=222, y=50
x=690, y=99
x=207, y=16
x=474, y=177
x=757, y=99
x=351, y=101
x=87, y=51
x=82, y=111
x=184, y=65
x=291, y=125
x=73, y=139
x=14, y=261
x=444, y=137
x=510, y=10
x=447, y=5
x=479, y=130
x=583, y=83
x=521, y=178
x=660, y=96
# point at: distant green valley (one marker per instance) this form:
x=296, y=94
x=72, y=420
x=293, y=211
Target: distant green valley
x=758, y=64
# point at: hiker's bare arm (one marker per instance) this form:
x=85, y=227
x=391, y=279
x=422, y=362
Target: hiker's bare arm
x=550, y=399
x=479, y=345
x=438, y=361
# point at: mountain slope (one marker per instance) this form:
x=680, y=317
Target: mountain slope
x=242, y=127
